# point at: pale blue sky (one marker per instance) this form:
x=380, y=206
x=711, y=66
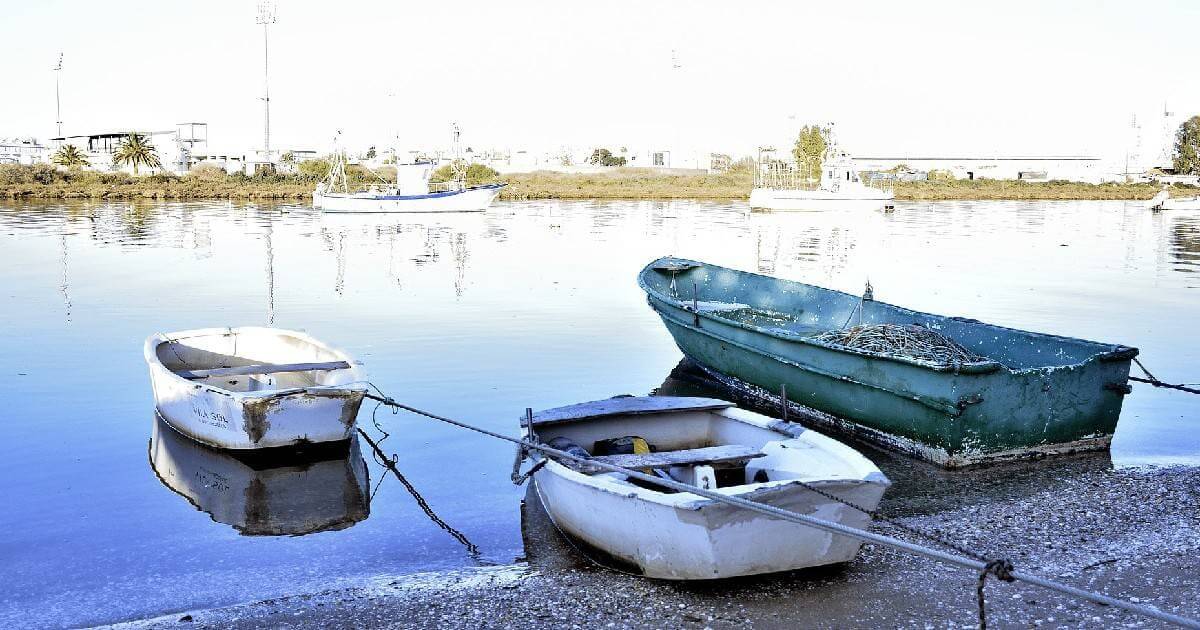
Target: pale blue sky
x=899, y=77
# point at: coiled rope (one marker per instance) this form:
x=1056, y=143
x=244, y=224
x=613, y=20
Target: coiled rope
x=1003, y=572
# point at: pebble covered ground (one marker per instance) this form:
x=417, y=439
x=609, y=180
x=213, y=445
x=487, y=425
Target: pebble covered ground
x=1133, y=534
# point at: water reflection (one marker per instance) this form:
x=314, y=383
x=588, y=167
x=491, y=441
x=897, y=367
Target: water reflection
x=1185, y=246
x=528, y=304
x=322, y=491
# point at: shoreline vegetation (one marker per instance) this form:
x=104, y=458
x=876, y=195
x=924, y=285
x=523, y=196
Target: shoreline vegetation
x=47, y=182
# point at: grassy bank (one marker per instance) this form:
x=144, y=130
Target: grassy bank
x=45, y=182
x=1019, y=190
x=626, y=183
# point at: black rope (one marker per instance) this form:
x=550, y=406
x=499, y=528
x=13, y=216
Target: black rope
x=1002, y=569
x=390, y=464
x=1157, y=383
x=523, y=477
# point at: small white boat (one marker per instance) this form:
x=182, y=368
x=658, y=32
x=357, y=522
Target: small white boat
x=848, y=196
x=781, y=184
x=452, y=199
x=411, y=192
x=1164, y=201
x=712, y=444
x=251, y=388
x=258, y=494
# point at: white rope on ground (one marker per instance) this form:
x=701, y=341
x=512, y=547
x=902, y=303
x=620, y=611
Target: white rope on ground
x=837, y=528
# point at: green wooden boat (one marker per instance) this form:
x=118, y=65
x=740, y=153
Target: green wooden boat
x=1027, y=395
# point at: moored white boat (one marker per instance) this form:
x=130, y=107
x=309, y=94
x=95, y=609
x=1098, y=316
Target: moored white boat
x=466, y=199
x=251, y=388
x=1164, y=201
x=847, y=196
x=789, y=184
x=411, y=192
x=708, y=443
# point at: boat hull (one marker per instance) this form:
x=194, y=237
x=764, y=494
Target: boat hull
x=255, y=419
x=950, y=417
x=704, y=539
x=862, y=198
x=1180, y=203
x=476, y=199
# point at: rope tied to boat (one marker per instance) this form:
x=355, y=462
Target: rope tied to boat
x=390, y=463
x=1152, y=380
x=1003, y=570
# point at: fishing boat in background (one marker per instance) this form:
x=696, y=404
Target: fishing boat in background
x=326, y=489
x=710, y=444
x=1005, y=393
x=781, y=184
x=254, y=388
x=411, y=192
x=1164, y=201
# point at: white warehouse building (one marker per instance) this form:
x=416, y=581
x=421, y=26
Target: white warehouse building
x=178, y=148
x=1029, y=168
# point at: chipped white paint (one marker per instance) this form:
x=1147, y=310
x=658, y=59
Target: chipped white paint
x=255, y=411
x=683, y=536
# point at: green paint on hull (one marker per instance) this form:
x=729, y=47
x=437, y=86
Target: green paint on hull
x=1037, y=394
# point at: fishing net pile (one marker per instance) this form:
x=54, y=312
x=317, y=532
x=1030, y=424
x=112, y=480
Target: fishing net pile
x=909, y=341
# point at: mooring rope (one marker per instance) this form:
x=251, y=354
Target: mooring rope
x=1152, y=380
x=983, y=568
x=390, y=464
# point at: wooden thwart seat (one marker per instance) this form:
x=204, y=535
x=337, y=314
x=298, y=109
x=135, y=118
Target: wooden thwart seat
x=265, y=368
x=727, y=456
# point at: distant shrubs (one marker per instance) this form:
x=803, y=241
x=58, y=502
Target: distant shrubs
x=17, y=174
x=939, y=175
x=477, y=174
x=207, y=172
x=313, y=170
x=604, y=157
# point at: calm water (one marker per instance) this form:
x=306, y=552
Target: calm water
x=475, y=316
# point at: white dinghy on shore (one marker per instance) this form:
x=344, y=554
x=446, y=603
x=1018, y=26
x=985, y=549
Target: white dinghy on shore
x=710, y=444
x=252, y=388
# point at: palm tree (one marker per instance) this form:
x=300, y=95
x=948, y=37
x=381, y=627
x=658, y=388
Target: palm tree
x=136, y=150
x=70, y=156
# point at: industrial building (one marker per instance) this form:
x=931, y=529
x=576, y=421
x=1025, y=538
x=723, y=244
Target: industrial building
x=1074, y=168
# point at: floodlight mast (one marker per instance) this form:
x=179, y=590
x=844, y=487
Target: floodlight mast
x=266, y=17
x=57, y=94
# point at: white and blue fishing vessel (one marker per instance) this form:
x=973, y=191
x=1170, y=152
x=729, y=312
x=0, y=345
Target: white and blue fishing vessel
x=412, y=191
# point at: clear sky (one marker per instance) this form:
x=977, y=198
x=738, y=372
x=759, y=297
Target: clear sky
x=899, y=78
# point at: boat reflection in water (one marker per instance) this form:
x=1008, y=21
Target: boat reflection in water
x=265, y=494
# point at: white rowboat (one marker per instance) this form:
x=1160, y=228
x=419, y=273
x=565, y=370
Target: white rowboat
x=251, y=388
x=708, y=443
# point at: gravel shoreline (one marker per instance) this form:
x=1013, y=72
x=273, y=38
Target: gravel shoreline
x=1131, y=533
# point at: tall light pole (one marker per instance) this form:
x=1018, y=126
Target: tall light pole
x=57, y=98
x=266, y=17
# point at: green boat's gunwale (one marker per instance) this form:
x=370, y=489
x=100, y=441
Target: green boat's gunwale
x=1110, y=352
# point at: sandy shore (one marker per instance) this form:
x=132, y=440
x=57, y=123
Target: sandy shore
x=1127, y=533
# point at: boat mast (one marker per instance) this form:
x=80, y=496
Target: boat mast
x=459, y=167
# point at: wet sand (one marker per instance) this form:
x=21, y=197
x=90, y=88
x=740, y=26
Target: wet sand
x=1128, y=533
